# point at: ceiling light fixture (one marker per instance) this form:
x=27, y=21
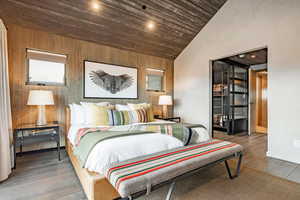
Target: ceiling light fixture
x=242, y=56
x=95, y=5
x=150, y=25
x=253, y=56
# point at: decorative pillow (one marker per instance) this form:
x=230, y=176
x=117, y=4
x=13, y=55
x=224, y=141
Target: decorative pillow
x=134, y=106
x=126, y=117
x=121, y=107
x=96, y=115
x=148, y=107
x=98, y=104
x=142, y=115
x=117, y=118
x=105, y=104
x=77, y=114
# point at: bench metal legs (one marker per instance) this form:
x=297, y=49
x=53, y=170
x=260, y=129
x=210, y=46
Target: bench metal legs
x=171, y=189
x=172, y=186
x=237, y=168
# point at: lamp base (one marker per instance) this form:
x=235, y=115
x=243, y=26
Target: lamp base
x=165, y=111
x=41, y=116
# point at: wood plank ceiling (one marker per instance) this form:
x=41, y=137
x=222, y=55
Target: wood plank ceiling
x=117, y=23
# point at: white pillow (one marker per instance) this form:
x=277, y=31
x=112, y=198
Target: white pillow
x=98, y=104
x=77, y=114
x=199, y=135
x=121, y=107
x=133, y=106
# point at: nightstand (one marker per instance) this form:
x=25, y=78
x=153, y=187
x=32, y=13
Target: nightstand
x=22, y=137
x=173, y=119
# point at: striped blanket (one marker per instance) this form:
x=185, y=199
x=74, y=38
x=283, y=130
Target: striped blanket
x=175, y=130
x=136, y=175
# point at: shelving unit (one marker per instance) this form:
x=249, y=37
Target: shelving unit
x=230, y=96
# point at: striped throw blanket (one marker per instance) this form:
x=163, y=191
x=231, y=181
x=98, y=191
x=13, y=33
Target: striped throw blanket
x=175, y=130
x=136, y=175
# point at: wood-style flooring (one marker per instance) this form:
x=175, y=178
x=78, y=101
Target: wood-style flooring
x=41, y=176
x=255, y=156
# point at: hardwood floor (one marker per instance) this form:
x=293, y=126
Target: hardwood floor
x=255, y=156
x=41, y=176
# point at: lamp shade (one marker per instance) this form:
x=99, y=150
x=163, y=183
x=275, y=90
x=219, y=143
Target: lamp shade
x=165, y=100
x=40, y=97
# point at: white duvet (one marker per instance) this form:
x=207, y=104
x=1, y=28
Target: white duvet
x=120, y=149
x=123, y=148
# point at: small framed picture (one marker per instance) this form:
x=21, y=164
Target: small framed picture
x=108, y=81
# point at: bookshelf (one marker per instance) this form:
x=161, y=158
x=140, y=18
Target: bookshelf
x=230, y=97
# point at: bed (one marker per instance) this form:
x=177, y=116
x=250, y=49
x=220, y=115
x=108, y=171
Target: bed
x=94, y=183
x=95, y=186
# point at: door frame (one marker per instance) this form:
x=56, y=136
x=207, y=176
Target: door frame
x=210, y=127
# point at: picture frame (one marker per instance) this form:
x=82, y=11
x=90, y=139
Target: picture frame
x=109, y=81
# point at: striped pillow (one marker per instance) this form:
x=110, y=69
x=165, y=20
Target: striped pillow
x=125, y=117
x=117, y=117
x=148, y=107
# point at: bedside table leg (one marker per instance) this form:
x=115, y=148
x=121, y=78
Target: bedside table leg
x=21, y=143
x=58, y=149
x=15, y=150
x=58, y=143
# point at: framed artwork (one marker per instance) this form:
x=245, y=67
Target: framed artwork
x=102, y=80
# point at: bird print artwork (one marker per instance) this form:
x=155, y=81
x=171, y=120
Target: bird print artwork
x=111, y=83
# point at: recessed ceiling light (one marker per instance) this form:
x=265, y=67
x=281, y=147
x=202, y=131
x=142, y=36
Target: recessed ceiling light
x=242, y=56
x=95, y=5
x=253, y=56
x=150, y=25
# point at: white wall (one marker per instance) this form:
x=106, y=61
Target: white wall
x=239, y=26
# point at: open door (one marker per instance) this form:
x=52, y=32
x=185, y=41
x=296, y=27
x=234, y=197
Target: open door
x=258, y=101
x=262, y=102
x=252, y=102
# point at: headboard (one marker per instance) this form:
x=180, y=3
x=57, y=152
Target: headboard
x=67, y=122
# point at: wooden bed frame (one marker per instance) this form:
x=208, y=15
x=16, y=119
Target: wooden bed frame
x=95, y=186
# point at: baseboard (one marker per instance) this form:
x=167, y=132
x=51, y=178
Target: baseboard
x=268, y=154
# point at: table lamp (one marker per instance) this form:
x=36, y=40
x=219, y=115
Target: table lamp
x=165, y=101
x=40, y=98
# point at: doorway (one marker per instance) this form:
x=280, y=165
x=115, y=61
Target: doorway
x=239, y=94
x=258, y=100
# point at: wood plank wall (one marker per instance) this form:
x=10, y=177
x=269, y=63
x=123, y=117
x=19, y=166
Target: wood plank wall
x=20, y=38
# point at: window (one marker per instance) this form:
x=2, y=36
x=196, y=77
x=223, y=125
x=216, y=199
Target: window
x=155, y=80
x=45, y=68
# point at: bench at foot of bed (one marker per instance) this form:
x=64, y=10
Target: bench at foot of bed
x=140, y=176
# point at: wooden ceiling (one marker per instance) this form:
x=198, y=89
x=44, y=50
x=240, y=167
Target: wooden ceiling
x=118, y=23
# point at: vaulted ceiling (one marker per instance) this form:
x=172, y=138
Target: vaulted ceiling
x=118, y=23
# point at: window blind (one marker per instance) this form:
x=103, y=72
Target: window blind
x=45, y=56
